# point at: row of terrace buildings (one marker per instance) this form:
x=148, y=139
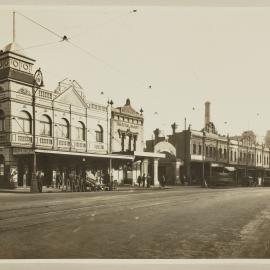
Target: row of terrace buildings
x=196, y=156
x=60, y=132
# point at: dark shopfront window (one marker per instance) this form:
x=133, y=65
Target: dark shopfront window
x=24, y=121
x=45, y=126
x=99, y=134
x=80, y=130
x=63, y=128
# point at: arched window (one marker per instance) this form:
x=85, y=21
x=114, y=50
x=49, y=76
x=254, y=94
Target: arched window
x=25, y=122
x=99, y=133
x=63, y=129
x=2, y=121
x=80, y=131
x=45, y=125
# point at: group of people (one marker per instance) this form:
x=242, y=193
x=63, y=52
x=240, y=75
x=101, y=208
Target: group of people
x=142, y=180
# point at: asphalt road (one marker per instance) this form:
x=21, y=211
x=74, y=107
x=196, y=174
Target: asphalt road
x=185, y=222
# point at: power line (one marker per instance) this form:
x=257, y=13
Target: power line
x=42, y=26
x=65, y=38
x=38, y=46
x=107, y=22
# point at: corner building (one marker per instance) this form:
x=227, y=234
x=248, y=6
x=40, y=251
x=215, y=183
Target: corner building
x=72, y=135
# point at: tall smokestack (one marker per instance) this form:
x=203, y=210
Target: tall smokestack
x=207, y=113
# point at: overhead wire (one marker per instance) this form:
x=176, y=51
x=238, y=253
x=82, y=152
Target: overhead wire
x=38, y=46
x=67, y=39
x=42, y=26
x=115, y=18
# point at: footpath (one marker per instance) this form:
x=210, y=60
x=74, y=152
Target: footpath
x=56, y=190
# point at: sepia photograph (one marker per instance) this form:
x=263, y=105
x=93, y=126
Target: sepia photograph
x=135, y=132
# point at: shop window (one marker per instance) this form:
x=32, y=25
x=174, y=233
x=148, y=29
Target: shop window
x=2, y=121
x=63, y=129
x=80, y=130
x=45, y=126
x=99, y=133
x=25, y=122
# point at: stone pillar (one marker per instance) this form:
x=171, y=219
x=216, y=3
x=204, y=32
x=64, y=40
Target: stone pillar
x=177, y=172
x=134, y=173
x=145, y=166
x=155, y=173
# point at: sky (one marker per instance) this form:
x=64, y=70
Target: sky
x=188, y=54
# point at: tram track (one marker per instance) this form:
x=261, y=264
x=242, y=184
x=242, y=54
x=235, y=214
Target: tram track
x=15, y=218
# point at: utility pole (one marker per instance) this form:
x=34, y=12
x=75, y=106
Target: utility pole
x=37, y=83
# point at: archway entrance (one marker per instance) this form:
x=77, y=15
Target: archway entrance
x=169, y=167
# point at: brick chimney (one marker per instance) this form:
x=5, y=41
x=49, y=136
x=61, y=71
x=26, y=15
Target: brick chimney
x=207, y=113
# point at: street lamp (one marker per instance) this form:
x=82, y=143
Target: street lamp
x=37, y=83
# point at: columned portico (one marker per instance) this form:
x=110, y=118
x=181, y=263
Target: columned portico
x=155, y=172
x=177, y=165
x=145, y=164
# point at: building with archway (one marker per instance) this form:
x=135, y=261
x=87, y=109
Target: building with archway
x=204, y=155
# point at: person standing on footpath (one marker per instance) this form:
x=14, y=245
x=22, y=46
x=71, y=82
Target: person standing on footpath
x=143, y=180
x=148, y=179
x=139, y=180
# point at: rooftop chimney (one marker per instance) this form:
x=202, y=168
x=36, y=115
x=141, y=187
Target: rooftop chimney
x=207, y=113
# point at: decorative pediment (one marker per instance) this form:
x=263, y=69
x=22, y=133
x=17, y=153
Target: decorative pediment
x=127, y=109
x=72, y=97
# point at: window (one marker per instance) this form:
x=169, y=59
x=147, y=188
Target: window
x=231, y=156
x=194, y=149
x=200, y=149
x=235, y=156
x=225, y=153
x=99, y=134
x=210, y=151
x=45, y=126
x=220, y=152
x=63, y=129
x=264, y=160
x=207, y=151
x=24, y=121
x=260, y=158
x=2, y=121
x=240, y=158
x=257, y=158
x=80, y=131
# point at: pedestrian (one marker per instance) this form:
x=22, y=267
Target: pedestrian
x=39, y=181
x=163, y=180
x=139, y=180
x=143, y=180
x=148, y=180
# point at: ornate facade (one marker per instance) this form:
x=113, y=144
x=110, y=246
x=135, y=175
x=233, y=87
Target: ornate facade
x=64, y=130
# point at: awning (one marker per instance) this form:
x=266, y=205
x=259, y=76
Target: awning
x=230, y=169
x=149, y=154
x=217, y=165
x=113, y=156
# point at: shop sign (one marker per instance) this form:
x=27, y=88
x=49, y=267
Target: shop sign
x=127, y=125
x=22, y=151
